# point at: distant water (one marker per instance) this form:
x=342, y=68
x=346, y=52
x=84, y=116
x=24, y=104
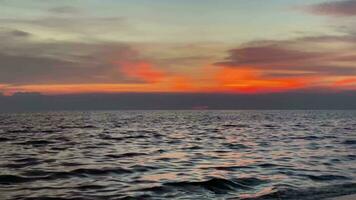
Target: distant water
x=178, y=155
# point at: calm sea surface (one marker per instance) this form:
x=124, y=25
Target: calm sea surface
x=178, y=155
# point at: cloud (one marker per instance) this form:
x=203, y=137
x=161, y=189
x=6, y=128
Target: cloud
x=8, y=34
x=19, y=69
x=266, y=55
x=64, y=10
x=23, y=69
x=19, y=33
x=54, y=66
x=70, y=24
x=309, y=56
x=73, y=66
x=142, y=70
x=335, y=8
x=27, y=62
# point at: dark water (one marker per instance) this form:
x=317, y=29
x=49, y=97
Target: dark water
x=178, y=155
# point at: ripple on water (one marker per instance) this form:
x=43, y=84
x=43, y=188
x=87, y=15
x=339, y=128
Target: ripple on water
x=216, y=185
x=178, y=155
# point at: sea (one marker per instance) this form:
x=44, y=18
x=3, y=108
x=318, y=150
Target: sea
x=239, y=154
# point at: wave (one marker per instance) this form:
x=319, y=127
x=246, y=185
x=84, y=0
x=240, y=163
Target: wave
x=349, y=142
x=236, y=146
x=90, y=187
x=107, y=137
x=12, y=179
x=77, y=127
x=83, y=171
x=56, y=198
x=268, y=165
x=234, y=168
x=34, y=175
x=3, y=139
x=132, y=154
x=312, y=193
x=19, y=131
x=216, y=185
x=21, y=163
x=309, y=137
x=243, y=185
x=231, y=168
x=236, y=125
x=36, y=142
x=327, y=177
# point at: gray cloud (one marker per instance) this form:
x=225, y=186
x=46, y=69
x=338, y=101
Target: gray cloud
x=266, y=55
x=70, y=24
x=297, y=57
x=24, y=61
x=20, y=69
x=7, y=34
x=19, y=33
x=64, y=10
x=336, y=8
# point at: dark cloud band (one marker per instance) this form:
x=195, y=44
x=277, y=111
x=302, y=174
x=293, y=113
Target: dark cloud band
x=337, y=8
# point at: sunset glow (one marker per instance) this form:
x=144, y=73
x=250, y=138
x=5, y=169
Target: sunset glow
x=123, y=47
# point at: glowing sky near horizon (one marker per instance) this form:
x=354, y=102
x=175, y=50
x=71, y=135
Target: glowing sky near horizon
x=225, y=46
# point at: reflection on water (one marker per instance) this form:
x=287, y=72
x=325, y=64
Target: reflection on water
x=178, y=154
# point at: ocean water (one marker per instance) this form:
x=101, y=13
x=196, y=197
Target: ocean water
x=178, y=155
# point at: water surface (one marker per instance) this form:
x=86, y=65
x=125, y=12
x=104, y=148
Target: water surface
x=178, y=155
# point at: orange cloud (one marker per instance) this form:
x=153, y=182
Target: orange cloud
x=248, y=80
x=156, y=78
x=86, y=88
x=142, y=70
x=151, y=79
x=240, y=80
x=243, y=79
x=346, y=83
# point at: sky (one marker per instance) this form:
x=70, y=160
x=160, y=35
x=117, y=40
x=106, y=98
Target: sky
x=186, y=46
